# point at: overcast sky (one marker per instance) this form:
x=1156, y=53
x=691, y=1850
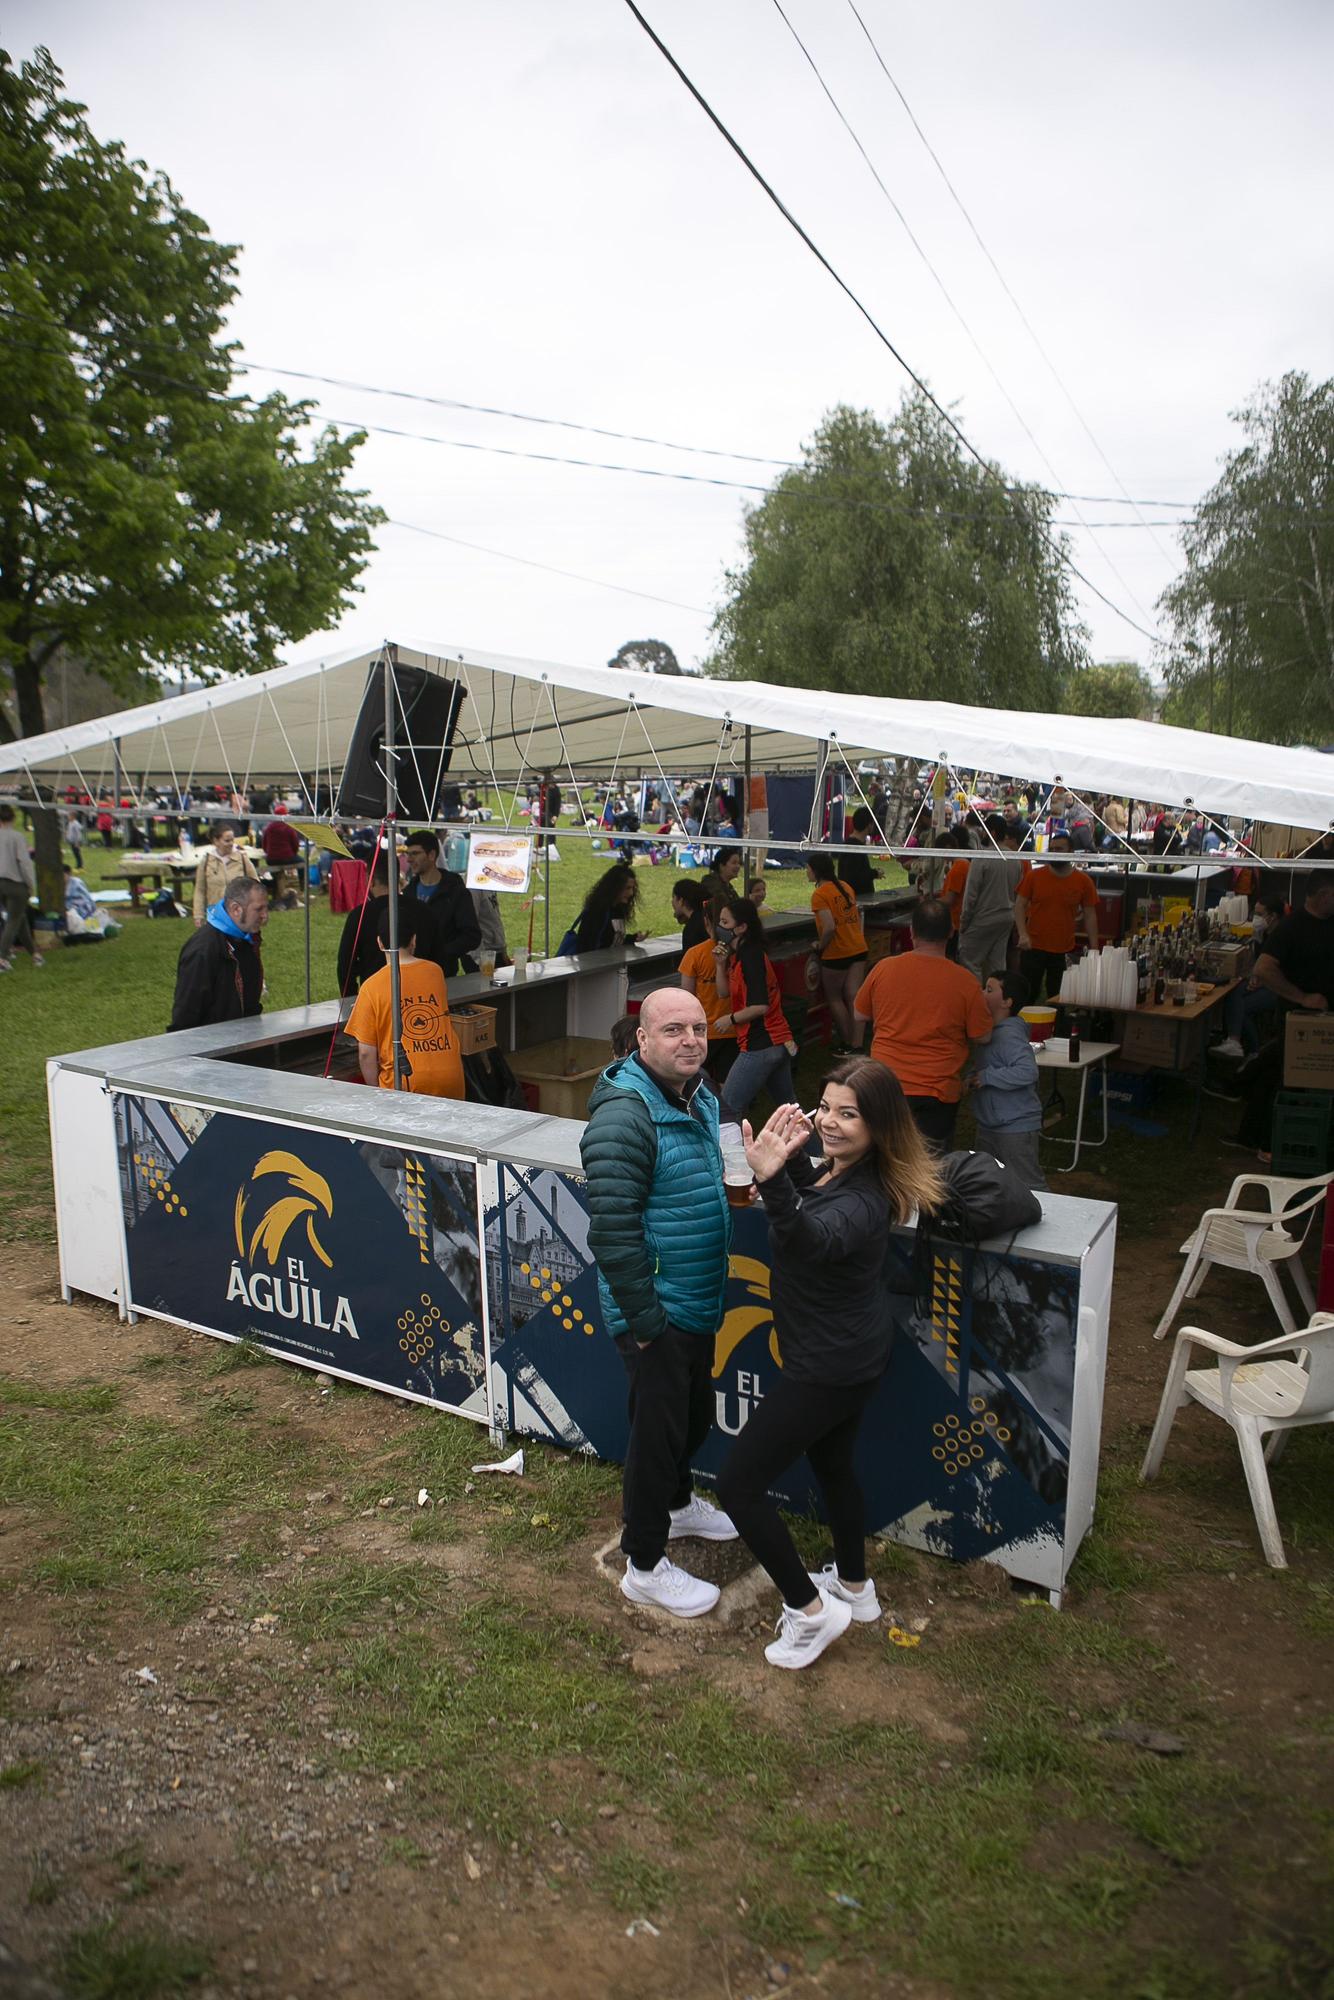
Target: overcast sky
x=516, y=203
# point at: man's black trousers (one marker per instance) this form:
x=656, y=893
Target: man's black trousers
x=671, y=1414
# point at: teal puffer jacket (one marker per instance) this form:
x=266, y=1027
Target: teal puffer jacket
x=659, y=1224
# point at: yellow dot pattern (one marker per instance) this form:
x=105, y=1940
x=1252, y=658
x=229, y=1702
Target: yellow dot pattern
x=561, y=1304
x=962, y=1445
x=418, y=1326
x=159, y=1184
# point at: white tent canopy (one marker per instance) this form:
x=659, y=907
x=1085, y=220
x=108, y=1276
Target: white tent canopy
x=521, y=715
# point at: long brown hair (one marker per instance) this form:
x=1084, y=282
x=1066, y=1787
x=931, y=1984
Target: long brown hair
x=908, y=1171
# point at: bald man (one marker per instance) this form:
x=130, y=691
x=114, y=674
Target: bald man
x=659, y=1228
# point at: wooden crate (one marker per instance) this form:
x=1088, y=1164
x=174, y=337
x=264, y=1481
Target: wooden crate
x=475, y=1027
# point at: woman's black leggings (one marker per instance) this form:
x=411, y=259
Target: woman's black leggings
x=794, y=1418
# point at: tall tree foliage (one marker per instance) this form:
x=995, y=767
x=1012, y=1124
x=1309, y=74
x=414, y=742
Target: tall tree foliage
x=646, y=656
x=890, y=563
x=1252, y=652
x=149, y=516
x=1111, y=687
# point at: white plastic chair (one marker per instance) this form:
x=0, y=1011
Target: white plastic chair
x=1257, y=1240
x=1254, y=1393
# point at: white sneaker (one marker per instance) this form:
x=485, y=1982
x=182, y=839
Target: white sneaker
x=670, y=1588
x=1231, y=1048
x=702, y=1519
x=864, y=1603
x=801, y=1639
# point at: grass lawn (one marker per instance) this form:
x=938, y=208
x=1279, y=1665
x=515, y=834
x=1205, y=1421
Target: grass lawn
x=372, y=1726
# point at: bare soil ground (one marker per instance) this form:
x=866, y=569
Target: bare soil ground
x=181, y=1755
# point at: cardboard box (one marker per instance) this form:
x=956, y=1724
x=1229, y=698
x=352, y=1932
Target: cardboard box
x=1308, y=1052
x=1224, y=962
x=1151, y=1040
x=563, y=1073
x=1162, y=1041
x=475, y=1028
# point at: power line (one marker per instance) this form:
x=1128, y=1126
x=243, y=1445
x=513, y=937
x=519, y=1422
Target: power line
x=139, y=373
x=516, y=416
x=945, y=293
x=529, y=563
x=977, y=235
x=1061, y=554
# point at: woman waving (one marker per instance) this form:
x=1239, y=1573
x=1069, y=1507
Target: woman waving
x=829, y=1222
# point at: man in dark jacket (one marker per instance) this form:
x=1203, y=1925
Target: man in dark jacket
x=659, y=1228
x=219, y=976
x=451, y=929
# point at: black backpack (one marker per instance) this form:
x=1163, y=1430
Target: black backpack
x=983, y=1197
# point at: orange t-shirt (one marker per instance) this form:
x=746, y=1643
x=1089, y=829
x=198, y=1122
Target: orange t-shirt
x=1054, y=902
x=954, y=885
x=924, y=1011
x=429, y=1041
x=848, y=939
x=700, y=965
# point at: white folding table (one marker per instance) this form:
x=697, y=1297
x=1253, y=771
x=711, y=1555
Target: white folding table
x=1053, y=1056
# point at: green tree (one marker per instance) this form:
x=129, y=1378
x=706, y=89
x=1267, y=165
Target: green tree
x=890, y=563
x=1252, y=651
x=646, y=656
x=149, y=516
x=1111, y=687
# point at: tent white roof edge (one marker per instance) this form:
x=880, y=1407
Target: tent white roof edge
x=524, y=714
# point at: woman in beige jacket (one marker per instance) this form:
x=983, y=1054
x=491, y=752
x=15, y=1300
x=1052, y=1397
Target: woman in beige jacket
x=217, y=865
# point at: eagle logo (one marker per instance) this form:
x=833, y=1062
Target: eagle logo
x=309, y=1192
x=743, y=1320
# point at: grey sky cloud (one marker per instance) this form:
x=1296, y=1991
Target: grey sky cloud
x=519, y=205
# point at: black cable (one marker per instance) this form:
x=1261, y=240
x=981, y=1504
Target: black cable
x=945, y=293
x=1061, y=554
x=1000, y=276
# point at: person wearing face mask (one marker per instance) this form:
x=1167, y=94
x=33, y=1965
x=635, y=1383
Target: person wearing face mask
x=218, y=865
x=828, y=1224
x=1050, y=903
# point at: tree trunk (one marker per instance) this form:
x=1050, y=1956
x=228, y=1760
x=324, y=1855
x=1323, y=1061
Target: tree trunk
x=45, y=820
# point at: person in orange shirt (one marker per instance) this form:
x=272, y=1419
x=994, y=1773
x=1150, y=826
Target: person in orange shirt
x=1049, y=903
x=952, y=888
x=699, y=975
x=429, y=1040
x=841, y=944
x=925, y=1013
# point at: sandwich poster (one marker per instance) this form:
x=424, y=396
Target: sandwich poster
x=500, y=861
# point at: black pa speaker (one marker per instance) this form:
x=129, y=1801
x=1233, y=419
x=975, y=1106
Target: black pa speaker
x=424, y=722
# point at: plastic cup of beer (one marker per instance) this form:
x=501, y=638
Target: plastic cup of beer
x=520, y=961
x=486, y=962
x=739, y=1188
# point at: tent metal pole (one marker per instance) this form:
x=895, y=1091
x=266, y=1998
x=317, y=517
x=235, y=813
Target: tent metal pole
x=305, y=858
x=745, y=803
x=402, y=1067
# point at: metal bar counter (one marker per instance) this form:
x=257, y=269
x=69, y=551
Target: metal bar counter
x=438, y=1251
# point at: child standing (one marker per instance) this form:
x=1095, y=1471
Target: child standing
x=1006, y=1105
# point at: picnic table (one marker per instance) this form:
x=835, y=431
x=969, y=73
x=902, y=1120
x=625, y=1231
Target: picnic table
x=178, y=866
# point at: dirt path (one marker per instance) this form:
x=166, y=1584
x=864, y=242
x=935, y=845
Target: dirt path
x=197, y=1770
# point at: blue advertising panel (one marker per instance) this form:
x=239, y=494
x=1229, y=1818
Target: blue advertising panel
x=360, y=1259
x=965, y=1448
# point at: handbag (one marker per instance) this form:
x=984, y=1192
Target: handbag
x=983, y=1197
